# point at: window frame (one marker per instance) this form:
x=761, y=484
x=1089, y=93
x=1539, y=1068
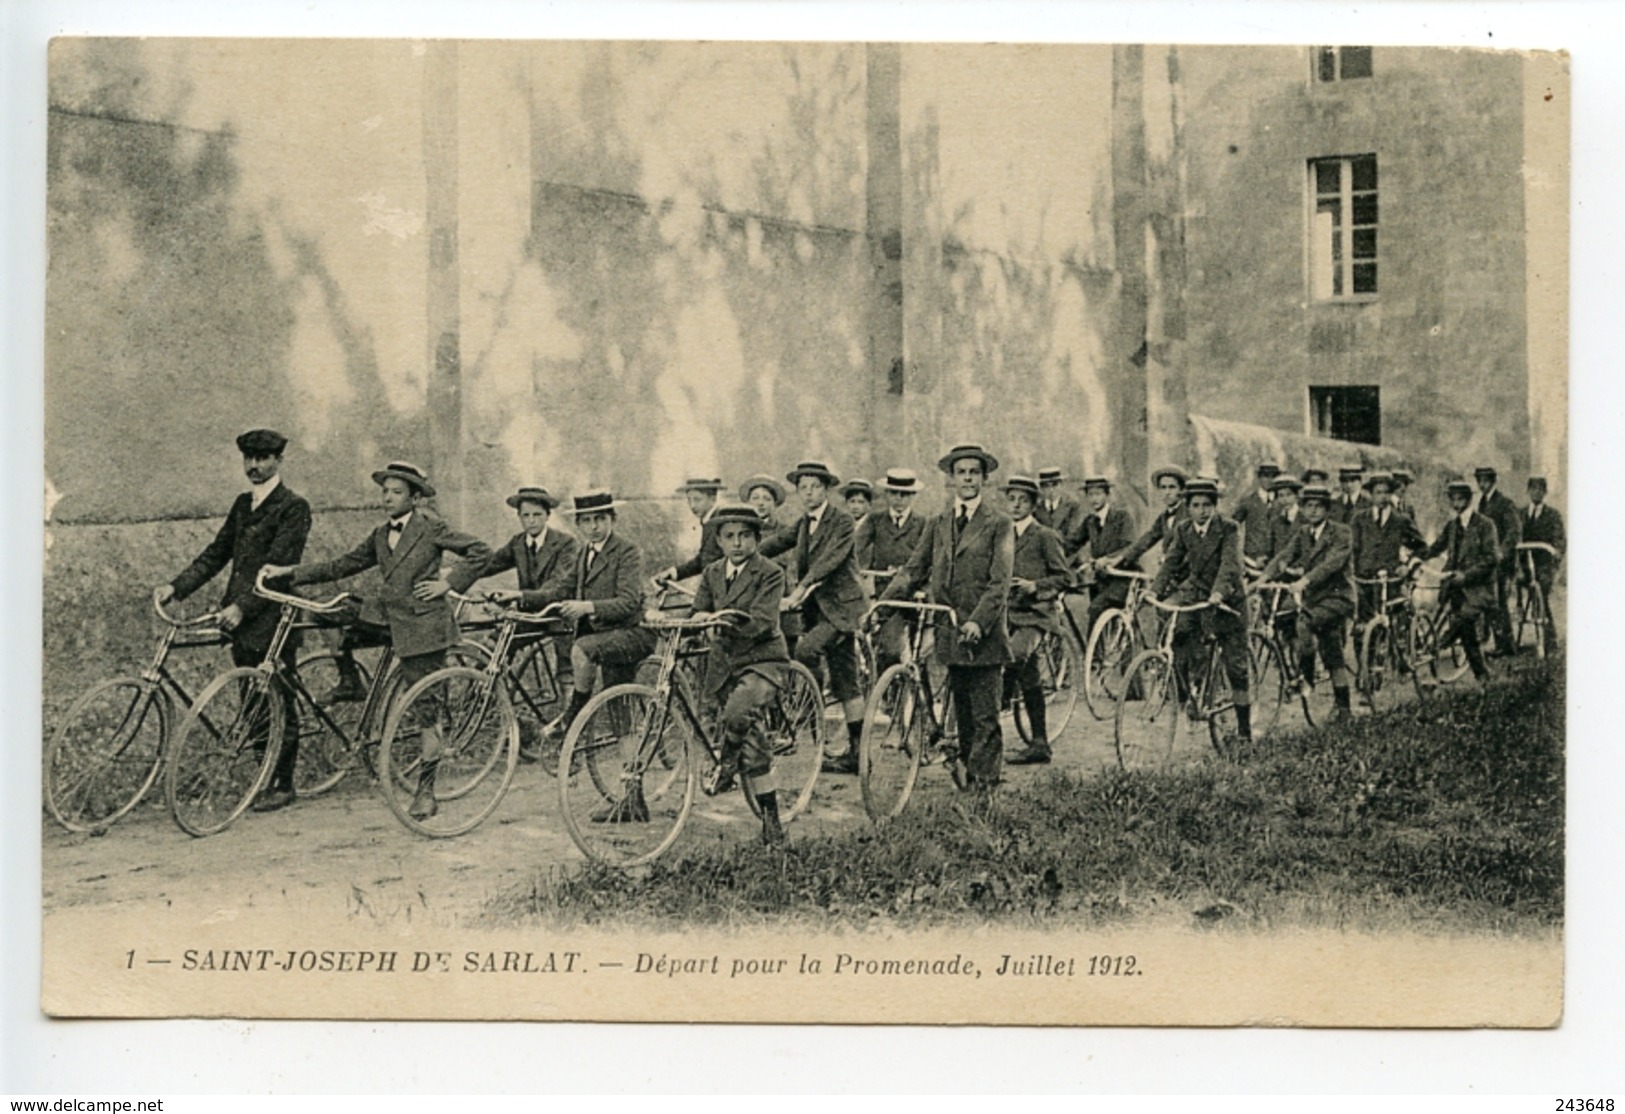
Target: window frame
x=1315, y=53
x=1347, y=228
x=1328, y=392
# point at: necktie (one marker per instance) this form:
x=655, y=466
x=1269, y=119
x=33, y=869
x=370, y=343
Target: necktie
x=897, y=521
x=592, y=554
x=395, y=529
x=960, y=522
x=812, y=525
x=1382, y=516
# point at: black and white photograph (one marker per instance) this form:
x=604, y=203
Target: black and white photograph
x=805, y=532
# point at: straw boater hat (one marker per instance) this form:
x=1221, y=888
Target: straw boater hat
x=815, y=468
x=1315, y=474
x=1351, y=471
x=990, y=463
x=532, y=495
x=762, y=479
x=858, y=487
x=261, y=442
x=1050, y=475
x=1313, y=493
x=740, y=513
x=593, y=502
x=1102, y=482
x=700, y=484
x=1024, y=484
x=1201, y=487
x=1380, y=479
x=1459, y=487
x=1286, y=483
x=1537, y=481
x=405, y=470
x=1484, y=470
x=1268, y=470
x=1404, y=476
x=1169, y=470
x=901, y=479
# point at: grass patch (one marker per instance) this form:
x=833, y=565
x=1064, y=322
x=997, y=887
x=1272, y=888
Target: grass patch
x=1441, y=815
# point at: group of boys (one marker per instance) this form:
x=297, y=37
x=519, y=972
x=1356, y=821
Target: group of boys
x=1002, y=573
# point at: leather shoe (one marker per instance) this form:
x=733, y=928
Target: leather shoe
x=1031, y=755
x=347, y=691
x=841, y=763
x=957, y=771
x=272, y=798
x=424, y=805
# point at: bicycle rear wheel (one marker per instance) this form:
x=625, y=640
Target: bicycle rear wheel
x=224, y=751
x=1379, y=668
x=897, y=727
x=105, y=754
x=627, y=775
x=1060, y=670
x=794, y=726
x=1218, y=704
x=1269, y=684
x=479, y=750
x=327, y=733
x=539, y=695
x=1147, y=713
x=1106, y=660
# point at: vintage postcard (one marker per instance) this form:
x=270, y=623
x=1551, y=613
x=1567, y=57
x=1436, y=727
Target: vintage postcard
x=821, y=532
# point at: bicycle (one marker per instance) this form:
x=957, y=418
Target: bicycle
x=630, y=757
x=481, y=736
x=1118, y=636
x=1155, y=698
x=908, y=719
x=1436, y=659
x=1282, y=658
x=536, y=674
x=1534, y=614
x=1385, y=640
x=108, y=749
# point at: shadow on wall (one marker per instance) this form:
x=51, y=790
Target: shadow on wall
x=169, y=327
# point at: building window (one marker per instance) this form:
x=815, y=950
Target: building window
x=1346, y=413
x=1342, y=63
x=1343, y=227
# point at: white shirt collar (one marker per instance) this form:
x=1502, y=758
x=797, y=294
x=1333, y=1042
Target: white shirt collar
x=969, y=506
x=818, y=515
x=1201, y=528
x=1465, y=517
x=731, y=570
x=259, y=492
x=538, y=540
x=1102, y=512
x=401, y=520
x=1022, y=524
x=900, y=518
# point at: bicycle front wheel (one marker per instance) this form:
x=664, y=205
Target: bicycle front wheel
x=1269, y=682
x=105, y=754
x=794, y=725
x=1218, y=704
x=224, y=750
x=627, y=774
x=328, y=733
x=897, y=725
x=450, y=748
x=1060, y=671
x=1148, y=712
x=1106, y=661
x=1379, y=668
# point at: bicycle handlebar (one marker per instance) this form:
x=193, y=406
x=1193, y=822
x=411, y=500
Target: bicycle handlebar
x=323, y=607
x=1187, y=607
x=1537, y=547
x=501, y=612
x=1382, y=576
x=212, y=618
x=706, y=622
x=911, y=605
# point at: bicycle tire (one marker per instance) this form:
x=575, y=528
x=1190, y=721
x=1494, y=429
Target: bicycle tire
x=1106, y=661
x=1218, y=704
x=329, y=734
x=795, y=731
x=623, y=732
x=897, y=725
x=106, y=753
x=224, y=750
x=1060, y=670
x=1269, y=684
x=480, y=736
x=539, y=696
x=1378, y=679
x=1147, y=719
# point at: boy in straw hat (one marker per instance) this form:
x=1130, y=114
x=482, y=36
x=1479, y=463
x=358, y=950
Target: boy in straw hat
x=883, y=542
x=408, y=549
x=828, y=594
x=1058, y=510
x=1468, y=584
x=1382, y=538
x=859, y=496
x=1494, y=505
x=701, y=494
x=1107, y=531
x=1039, y=571
x=267, y=525
x=966, y=556
x=1319, y=560
x=745, y=665
x=606, y=605
x=1170, y=484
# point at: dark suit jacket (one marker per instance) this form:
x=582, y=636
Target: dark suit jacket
x=1194, y=565
x=1508, y=524
x=972, y=577
x=1038, y=558
x=415, y=626
x=1325, y=563
x=1154, y=533
x=757, y=589
x=548, y=578
x=1282, y=529
x=1343, y=511
x=1474, y=552
x=614, y=584
x=1376, y=546
x=1116, y=534
x=825, y=558
x=1066, y=520
x=1547, y=528
x=879, y=544
x=710, y=548
x=1254, y=514
x=250, y=539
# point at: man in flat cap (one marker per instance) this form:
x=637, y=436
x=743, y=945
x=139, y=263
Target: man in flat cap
x=267, y=525
x=409, y=549
x=966, y=556
x=701, y=494
x=1495, y=506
